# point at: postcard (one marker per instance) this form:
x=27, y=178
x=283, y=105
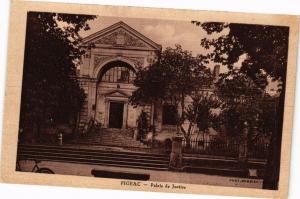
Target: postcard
x=149, y=99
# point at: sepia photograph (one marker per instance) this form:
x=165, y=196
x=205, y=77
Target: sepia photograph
x=154, y=103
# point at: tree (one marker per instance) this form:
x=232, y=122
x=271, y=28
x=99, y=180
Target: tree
x=241, y=98
x=174, y=77
x=50, y=90
x=199, y=112
x=266, y=49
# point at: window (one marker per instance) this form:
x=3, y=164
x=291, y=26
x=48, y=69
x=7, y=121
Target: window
x=169, y=115
x=118, y=72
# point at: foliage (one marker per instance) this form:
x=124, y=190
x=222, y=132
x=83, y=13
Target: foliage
x=235, y=85
x=266, y=50
x=50, y=91
x=266, y=47
x=175, y=76
x=244, y=100
x=240, y=96
x=267, y=122
x=199, y=112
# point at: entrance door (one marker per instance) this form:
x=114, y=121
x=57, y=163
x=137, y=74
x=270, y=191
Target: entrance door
x=116, y=110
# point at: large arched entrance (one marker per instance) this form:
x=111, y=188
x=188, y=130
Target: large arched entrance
x=114, y=87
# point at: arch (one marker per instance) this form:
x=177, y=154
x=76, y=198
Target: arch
x=102, y=69
x=117, y=72
x=99, y=70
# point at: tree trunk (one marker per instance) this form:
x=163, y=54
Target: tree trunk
x=272, y=170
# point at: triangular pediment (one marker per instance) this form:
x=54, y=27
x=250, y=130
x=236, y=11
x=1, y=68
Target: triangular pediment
x=120, y=35
x=116, y=93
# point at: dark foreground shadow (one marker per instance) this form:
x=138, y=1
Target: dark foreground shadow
x=119, y=175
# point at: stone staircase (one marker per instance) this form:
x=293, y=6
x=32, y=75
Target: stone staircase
x=94, y=156
x=112, y=137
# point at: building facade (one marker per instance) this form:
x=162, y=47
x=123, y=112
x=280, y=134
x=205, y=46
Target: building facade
x=107, y=72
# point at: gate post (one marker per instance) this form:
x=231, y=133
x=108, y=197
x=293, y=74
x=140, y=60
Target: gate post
x=243, y=149
x=176, y=153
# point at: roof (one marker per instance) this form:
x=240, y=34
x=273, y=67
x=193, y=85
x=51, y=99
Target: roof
x=109, y=37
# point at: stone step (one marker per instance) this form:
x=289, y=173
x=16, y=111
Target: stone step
x=116, y=137
x=94, y=157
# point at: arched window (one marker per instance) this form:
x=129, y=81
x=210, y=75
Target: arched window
x=118, y=72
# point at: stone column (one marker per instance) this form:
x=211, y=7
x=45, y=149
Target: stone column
x=125, y=115
x=106, y=114
x=176, y=153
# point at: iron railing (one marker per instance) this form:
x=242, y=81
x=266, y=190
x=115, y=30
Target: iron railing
x=222, y=148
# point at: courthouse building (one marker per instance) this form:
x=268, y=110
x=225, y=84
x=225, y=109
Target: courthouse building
x=107, y=73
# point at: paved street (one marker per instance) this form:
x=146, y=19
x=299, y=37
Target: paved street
x=160, y=176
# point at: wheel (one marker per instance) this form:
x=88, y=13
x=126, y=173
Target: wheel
x=44, y=170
